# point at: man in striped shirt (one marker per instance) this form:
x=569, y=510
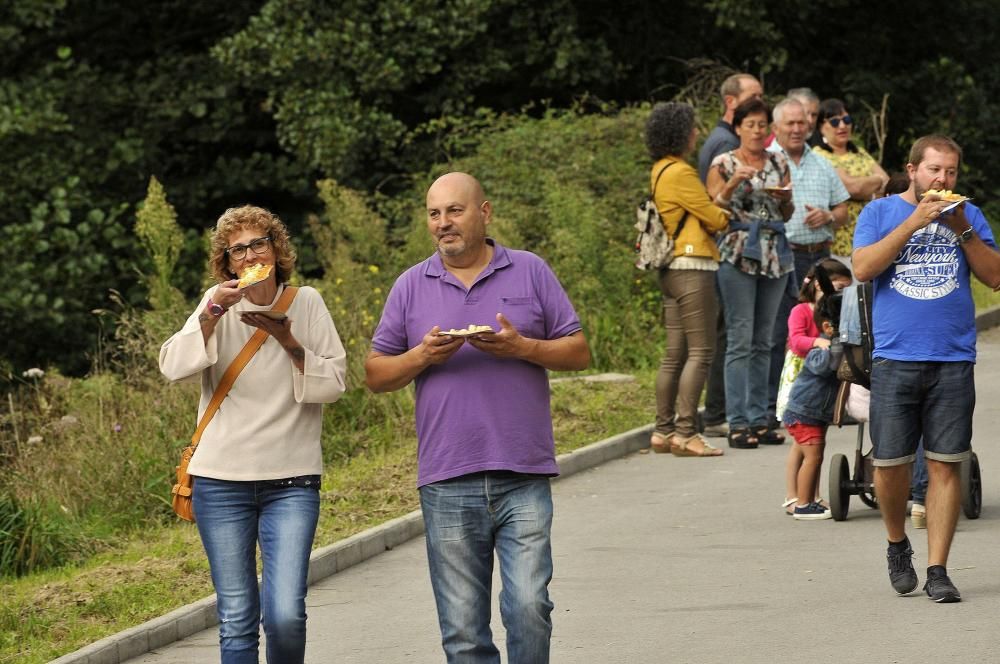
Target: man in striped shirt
x=820, y=206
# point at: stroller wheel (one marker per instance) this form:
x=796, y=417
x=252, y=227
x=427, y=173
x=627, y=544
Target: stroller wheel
x=972, y=487
x=840, y=494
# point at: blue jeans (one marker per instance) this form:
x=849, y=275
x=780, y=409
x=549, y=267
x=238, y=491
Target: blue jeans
x=466, y=519
x=232, y=518
x=751, y=306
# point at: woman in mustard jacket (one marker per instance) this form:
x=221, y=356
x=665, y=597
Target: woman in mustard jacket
x=690, y=303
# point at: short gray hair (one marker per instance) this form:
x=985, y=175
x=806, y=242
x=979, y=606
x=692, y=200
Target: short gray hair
x=732, y=85
x=779, y=109
x=803, y=94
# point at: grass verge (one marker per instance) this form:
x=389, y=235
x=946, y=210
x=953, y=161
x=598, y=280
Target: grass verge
x=46, y=615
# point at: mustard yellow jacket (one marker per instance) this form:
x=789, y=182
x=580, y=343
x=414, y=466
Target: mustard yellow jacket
x=680, y=190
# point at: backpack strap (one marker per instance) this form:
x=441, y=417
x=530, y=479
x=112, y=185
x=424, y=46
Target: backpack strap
x=656, y=183
x=652, y=196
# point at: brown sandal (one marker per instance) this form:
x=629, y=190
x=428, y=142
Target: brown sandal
x=659, y=443
x=682, y=447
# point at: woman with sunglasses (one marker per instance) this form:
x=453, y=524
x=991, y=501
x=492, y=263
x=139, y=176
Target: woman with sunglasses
x=257, y=468
x=756, y=262
x=860, y=173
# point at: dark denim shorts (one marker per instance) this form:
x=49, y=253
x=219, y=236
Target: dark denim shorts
x=910, y=400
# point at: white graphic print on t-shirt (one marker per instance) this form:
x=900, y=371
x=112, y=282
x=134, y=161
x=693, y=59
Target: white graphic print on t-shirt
x=927, y=267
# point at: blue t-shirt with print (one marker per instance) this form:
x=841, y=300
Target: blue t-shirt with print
x=922, y=309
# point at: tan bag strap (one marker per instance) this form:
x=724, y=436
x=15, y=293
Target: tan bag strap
x=241, y=360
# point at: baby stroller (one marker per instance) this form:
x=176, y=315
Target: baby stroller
x=852, y=408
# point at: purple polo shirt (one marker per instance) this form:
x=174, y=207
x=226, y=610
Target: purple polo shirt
x=477, y=412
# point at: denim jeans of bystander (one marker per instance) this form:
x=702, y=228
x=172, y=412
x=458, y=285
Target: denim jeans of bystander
x=466, y=519
x=751, y=305
x=715, y=387
x=232, y=518
x=918, y=484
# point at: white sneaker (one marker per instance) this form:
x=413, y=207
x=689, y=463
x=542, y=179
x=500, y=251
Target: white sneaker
x=918, y=516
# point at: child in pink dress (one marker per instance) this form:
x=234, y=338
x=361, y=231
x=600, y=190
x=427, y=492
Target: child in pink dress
x=804, y=335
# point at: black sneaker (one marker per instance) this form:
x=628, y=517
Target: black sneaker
x=902, y=576
x=940, y=588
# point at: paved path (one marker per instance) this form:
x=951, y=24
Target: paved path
x=660, y=559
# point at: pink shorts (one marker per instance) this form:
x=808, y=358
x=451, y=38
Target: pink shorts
x=807, y=434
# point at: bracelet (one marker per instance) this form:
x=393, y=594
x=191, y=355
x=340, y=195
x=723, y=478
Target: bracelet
x=724, y=202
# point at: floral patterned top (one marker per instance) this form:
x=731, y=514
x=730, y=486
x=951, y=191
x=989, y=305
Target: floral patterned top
x=751, y=204
x=858, y=164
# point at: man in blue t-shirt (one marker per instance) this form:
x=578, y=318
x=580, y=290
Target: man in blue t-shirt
x=918, y=249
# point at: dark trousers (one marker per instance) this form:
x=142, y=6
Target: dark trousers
x=715, y=392
x=804, y=260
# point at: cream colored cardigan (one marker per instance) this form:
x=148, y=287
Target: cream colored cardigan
x=268, y=427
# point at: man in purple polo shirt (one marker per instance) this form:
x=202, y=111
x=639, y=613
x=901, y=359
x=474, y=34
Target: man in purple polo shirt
x=484, y=426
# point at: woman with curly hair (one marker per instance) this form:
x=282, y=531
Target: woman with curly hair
x=688, y=283
x=257, y=467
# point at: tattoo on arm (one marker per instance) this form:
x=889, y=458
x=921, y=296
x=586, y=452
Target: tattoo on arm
x=204, y=318
x=298, y=353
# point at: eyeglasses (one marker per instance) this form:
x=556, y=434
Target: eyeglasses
x=239, y=251
x=835, y=122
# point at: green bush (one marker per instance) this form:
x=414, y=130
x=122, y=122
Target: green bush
x=351, y=243
x=60, y=264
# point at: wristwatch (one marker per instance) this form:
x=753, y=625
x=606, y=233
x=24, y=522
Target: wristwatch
x=966, y=235
x=215, y=309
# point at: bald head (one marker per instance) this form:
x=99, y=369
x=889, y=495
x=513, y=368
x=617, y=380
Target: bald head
x=457, y=216
x=458, y=184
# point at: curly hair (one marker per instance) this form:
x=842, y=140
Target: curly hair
x=237, y=219
x=668, y=129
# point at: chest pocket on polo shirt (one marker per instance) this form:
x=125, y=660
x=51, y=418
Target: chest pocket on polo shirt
x=525, y=313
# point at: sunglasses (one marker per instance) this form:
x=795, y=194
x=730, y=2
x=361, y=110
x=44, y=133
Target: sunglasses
x=835, y=122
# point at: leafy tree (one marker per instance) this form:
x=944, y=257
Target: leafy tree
x=347, y=81
x=95, y=97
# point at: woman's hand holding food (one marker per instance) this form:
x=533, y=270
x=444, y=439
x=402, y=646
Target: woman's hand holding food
x=227, y=294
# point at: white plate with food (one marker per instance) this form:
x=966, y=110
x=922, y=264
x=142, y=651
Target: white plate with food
x=471, y=331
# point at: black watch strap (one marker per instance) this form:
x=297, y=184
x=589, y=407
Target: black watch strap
x=966, y=235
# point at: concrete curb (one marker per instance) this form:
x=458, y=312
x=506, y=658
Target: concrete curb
x=193, y=618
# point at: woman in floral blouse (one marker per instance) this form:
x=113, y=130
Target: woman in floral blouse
x=754, y=270
x=860, y=173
